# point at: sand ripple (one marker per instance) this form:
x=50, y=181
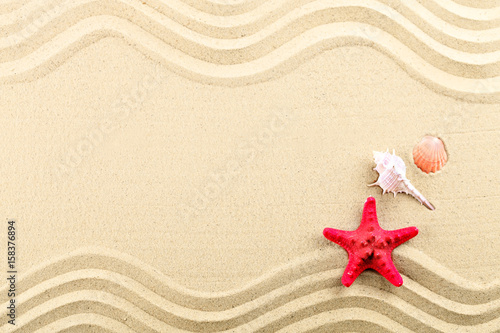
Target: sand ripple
x=115, y=291
x=453, y=50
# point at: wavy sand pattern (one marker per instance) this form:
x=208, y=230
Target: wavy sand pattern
x=103, y=287
x=453, y=47
x=267, y=41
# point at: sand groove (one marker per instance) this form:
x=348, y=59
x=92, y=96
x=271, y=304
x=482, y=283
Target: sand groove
x=480, y=29
x=439, y=36
x=451, y=46
x=113, y=286
x=478, y=12
x=460, y=62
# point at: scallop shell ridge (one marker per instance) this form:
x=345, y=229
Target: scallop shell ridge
x=429, y=155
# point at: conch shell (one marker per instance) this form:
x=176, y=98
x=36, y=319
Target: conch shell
x=429, y=154
x=392, y=177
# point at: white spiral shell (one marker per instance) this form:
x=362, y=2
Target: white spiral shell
x=392, y=176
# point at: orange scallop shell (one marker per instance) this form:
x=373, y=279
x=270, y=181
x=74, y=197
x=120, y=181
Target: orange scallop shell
x=429, y=154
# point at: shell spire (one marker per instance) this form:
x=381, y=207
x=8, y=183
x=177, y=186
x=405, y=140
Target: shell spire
x=392, y=177
x=417, y=195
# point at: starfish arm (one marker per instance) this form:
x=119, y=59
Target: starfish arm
x=351, y=272
x=340, y=237
x=389, y=271
x=400, y=236
x=370, y=246
x=369, y=217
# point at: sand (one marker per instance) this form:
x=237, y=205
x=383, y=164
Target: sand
x=171, y=165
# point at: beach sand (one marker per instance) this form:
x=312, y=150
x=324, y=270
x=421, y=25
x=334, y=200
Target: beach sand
x=171, y=167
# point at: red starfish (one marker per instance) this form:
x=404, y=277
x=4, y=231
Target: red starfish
x=370, y=246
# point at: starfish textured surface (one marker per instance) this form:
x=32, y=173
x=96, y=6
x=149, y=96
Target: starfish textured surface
x=370, y=246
